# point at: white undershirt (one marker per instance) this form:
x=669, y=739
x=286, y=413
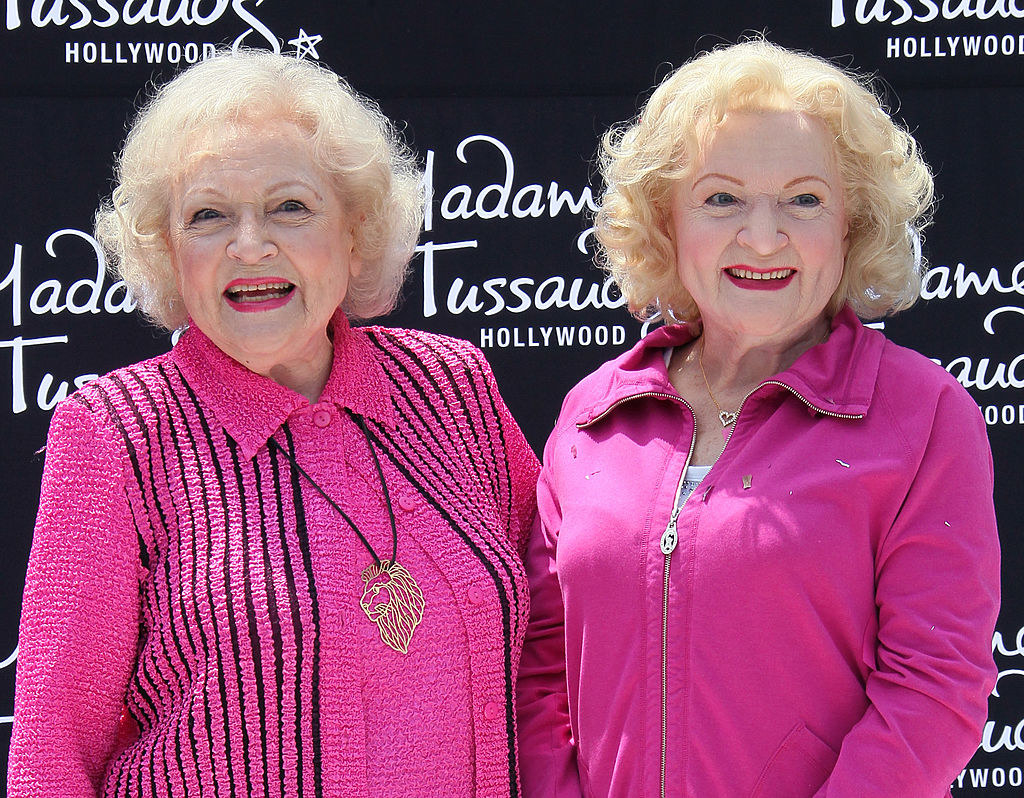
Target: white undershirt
x=693, y=476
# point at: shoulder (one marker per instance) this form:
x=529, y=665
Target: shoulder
x=421, y=342
x=927, y=407
x=102, y=421
x=124, y=393
x=638, y=370
x=442, y=357
x=443, y=389
x=582, y=396
x=908, y=379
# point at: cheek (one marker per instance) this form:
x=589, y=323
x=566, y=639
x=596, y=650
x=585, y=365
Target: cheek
x=825, y=245
x=194, y=269
x=699, y=247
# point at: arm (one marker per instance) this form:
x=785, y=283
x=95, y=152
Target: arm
x=937, y=577
x=546, y=749
x=80, y=616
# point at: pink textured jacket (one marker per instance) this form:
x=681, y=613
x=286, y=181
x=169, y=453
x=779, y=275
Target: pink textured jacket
x=191, y=624
x=823, y=625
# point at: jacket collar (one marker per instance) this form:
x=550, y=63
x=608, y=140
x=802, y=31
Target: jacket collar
x=251, y=407
x=835, y=377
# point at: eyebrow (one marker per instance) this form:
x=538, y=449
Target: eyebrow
x=720, y=176
x=738, y=182
x=805, y=178
x=282, y=185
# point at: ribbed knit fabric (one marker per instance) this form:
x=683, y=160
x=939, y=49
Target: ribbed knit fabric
x=191, y=623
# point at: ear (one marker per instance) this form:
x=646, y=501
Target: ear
x=355, y=264
x=667, y=210
x=355, y=259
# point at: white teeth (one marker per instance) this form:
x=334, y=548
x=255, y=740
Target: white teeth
x=746, y=274
x=241, y=289
x=256, y=292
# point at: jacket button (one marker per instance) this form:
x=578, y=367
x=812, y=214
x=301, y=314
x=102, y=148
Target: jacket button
x=492, y=710
x=407, y=502
x=476, y=595
x=322, y=418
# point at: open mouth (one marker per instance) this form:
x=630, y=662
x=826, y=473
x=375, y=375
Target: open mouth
x=747, y=274
x=250, y=296
x=258, y=292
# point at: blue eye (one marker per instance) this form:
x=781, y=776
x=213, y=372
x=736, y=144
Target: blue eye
x=205, y=214
x=721, y=199
x=806, y=200
x=292, y=206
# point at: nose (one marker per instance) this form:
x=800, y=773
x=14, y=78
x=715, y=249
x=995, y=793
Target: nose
x=762, y=229
x=251, y=242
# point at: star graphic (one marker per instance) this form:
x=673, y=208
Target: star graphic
x=305, y=45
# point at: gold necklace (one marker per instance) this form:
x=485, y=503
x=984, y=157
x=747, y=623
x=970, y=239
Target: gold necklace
x=727, y=418
x=391, y=598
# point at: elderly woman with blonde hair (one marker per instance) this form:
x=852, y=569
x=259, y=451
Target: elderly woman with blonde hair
x=283, y=558
x=766, y=561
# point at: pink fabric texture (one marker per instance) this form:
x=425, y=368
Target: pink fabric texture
x=191, y=623
x=831, y=599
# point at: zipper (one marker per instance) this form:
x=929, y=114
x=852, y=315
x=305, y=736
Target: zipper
x=795, y=393
x=644, y=395
x=669, y=541
x=677, y=398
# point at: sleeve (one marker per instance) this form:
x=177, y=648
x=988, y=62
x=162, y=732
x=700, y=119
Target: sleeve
x=80, y=616
x=937, y=593
x=547, y=753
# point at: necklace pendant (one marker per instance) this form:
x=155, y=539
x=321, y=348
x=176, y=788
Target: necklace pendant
x=392, y=600
x=727, y=418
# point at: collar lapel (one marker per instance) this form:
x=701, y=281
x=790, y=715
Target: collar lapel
x=251, y=407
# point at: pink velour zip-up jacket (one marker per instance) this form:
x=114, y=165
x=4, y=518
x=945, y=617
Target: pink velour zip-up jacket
x=822, y=627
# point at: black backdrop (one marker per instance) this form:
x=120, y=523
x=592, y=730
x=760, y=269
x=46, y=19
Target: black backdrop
x=505, y=108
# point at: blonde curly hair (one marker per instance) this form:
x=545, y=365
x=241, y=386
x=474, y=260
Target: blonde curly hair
x=888, y=187
x=374, y=173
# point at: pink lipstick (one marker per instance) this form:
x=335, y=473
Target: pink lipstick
x=759, y=279
x=254, y=295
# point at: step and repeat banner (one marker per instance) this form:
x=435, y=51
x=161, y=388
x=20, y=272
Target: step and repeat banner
x=505, y=109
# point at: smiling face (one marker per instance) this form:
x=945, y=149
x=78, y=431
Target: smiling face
x=759, y=228
x=263, y=253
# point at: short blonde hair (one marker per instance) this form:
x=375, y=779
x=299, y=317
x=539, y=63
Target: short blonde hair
x=375, y=175
x=887, y=186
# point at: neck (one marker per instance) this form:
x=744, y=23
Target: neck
x=736, y=363
x=307, y=378
x=306, y=384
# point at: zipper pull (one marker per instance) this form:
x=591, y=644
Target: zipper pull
x=670, y=537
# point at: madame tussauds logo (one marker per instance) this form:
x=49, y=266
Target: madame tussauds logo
x=76, y=15
x=898, y=12
x=102, y=13
x=966, y=44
